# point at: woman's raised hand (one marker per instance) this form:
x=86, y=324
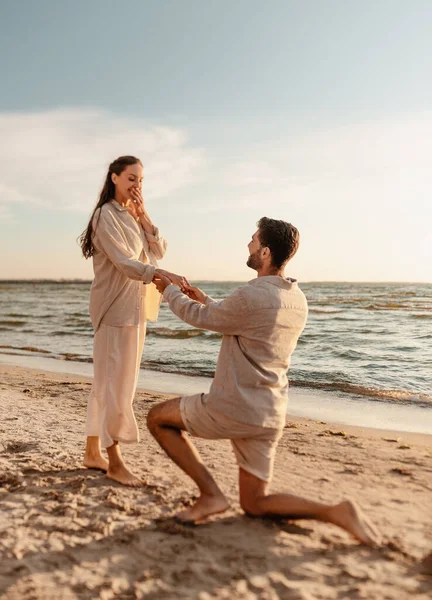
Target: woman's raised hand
x=138, y=201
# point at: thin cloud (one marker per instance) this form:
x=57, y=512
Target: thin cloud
x=379, y=163
x=57, y=159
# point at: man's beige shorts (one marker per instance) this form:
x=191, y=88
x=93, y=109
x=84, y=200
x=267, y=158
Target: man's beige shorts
x=254, y=446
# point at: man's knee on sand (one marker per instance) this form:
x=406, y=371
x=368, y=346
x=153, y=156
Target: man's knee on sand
x=153, y=418
x=252, y=491
x=165, y=414
x=251, y=505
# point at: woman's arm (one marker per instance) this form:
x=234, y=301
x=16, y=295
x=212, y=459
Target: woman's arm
x=157, y=243
x=109, y=239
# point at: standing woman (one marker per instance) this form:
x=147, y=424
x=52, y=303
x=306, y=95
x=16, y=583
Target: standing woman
x=125, y=246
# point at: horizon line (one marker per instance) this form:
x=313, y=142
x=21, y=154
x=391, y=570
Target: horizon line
x=79, y=280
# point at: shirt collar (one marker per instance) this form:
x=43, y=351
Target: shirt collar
x=282, y=282
x=118, y=206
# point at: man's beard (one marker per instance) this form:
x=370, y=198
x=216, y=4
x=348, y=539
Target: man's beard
x=254, y=261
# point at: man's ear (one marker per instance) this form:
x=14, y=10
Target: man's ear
x=266, y=252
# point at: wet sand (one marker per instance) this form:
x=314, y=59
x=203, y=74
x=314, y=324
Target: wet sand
x=66, y=532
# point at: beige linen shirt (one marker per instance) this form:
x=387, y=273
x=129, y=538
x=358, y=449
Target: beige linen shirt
x=125, y=258
x=261, y=323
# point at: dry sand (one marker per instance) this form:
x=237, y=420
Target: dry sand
x=66, y=532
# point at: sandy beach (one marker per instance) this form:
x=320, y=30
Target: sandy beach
x=66, y=532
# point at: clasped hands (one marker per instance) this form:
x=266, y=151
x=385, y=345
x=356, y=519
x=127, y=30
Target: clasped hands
x=162, y=280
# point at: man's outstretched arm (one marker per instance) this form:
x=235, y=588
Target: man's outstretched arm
x=225, y=317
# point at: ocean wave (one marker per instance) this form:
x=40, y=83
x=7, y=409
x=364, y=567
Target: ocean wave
x=407, y=293
x=351, y=354
x=14, y=323
x=371, y=304
x=177, y=369
x=75, y=357
x=365, y=331
x=359, y=300
x=389, y=306
x=84, y=328
x=346, y=319
x=77, y=321
x=323, y=311
x=72, y=333
x=403, y=396
x=181, y=334
x=27, y=349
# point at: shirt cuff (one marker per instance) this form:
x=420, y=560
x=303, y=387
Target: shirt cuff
x=148, y=274
x=153, y=237
x=169, y=291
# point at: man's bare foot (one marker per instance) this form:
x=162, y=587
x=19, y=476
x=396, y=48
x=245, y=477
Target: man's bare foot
x=348, y=516
x=204, y=507
x=122, y=475
x=98, y=462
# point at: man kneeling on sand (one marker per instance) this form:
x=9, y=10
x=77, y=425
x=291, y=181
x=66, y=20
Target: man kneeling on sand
x=247, y=403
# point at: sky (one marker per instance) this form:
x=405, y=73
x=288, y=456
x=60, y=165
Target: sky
x=318, y=112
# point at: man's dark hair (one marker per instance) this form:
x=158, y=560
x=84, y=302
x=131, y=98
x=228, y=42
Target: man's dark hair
x=281, y=238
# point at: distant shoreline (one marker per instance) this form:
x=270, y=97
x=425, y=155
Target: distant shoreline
x=330, y=281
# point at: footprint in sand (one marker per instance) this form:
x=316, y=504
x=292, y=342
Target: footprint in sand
x=399, y=471
x=173, y=527
x=10, y=479
x=426, y=564
x=20, y=447
x=350, y=471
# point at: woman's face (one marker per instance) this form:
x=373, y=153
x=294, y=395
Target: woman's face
x=131, y=177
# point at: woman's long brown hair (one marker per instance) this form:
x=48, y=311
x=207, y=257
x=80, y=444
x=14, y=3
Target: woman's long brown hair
x=107, y=194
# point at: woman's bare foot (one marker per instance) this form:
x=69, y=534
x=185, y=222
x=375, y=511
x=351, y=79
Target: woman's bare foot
x=93, y=458
x=204, y=507
x=121, y=474
x=348, y=516
x=117, y=470
x=98, y=462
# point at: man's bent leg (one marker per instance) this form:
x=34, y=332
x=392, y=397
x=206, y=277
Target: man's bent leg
x=255, y=501
x=167, y=427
